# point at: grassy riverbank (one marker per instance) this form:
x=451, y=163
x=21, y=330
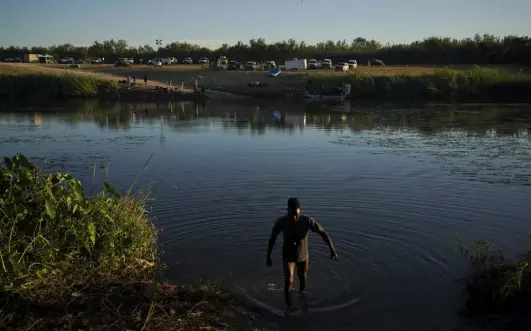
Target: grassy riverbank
x=475, y=84
x=69, y=261
x=41, y=82
x=400, y=83
x=393, y=83
x=39, y=85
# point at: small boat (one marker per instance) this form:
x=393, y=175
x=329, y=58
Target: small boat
x=336, y=94
x=274, y=72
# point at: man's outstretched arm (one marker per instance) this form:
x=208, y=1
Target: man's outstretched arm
x=316, y=227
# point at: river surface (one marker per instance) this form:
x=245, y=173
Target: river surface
x=392, y=186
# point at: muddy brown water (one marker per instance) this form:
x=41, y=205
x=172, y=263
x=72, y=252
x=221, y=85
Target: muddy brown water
x=392, y=186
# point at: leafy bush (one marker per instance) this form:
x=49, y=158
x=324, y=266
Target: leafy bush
x=50, y=229
x=493, y=283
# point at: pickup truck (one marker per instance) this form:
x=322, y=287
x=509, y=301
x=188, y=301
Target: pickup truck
x=326, y=64
x=314, y=64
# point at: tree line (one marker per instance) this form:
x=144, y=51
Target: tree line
x=481, y=49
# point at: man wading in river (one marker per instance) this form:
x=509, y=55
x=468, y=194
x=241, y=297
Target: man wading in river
x=295, y=227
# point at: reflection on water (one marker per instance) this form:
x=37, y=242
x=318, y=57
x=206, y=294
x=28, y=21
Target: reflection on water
x=489, y=145
x=392, y=186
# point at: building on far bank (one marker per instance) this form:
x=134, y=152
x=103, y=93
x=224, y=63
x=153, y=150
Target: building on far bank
x=31, y=58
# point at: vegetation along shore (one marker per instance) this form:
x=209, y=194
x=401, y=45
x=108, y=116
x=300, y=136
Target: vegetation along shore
x=34, y=81
x=42, y=82
x=69, y=261
x=481, y=49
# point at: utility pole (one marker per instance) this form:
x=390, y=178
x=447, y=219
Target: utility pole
x=158, y=42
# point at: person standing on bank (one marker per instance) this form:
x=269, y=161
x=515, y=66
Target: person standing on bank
x=295, y=227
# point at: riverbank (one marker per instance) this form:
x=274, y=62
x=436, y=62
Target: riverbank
x=70, y=261
x=34, y=82
x=391, y=83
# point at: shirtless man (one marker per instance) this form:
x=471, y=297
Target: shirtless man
x=295, y=228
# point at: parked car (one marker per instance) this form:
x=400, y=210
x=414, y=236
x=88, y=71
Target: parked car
x=203, y=60
x=126, y=60
x=157, y=62
x=173, y=60
x=187, y=60
x=376, y=62
x=67, y=60
x=251, y=65
x=122, y=63
x=233, y=65
x=352, y=64
x=342, y=66
x=313, y=64
x=13, y=60
x=95, y=61
x=326, y=64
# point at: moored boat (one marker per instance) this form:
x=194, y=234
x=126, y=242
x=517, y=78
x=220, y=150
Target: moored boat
x=335, y=94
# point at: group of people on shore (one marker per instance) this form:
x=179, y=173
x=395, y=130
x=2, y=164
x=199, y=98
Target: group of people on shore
x=130, y=78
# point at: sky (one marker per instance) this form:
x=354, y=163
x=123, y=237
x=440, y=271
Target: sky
x=211, y=23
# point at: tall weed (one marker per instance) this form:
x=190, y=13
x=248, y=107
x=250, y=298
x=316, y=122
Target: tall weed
x=50, y=228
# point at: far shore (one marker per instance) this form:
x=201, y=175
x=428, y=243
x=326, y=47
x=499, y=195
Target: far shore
x=401, y=83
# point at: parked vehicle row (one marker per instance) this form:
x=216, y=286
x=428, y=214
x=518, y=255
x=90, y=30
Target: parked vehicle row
x=13, y=60
x=251, y=65
x=188, y=60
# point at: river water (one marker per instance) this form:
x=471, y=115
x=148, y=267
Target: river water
x=392, y=186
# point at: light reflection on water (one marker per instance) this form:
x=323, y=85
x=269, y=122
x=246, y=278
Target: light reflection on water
x=392, y=186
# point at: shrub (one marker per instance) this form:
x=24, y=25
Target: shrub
x=493, y=283
x=50, y=229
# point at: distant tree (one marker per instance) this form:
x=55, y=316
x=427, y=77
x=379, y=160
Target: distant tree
x=479, y=49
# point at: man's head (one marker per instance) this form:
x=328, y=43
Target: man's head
x=294, y=207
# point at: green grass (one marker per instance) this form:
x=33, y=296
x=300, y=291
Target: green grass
x=474, y=84
x=495, y=284
x=51, y=230
x=51, y=85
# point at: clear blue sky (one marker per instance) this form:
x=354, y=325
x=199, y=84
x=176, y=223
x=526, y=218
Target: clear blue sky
x=210, y=22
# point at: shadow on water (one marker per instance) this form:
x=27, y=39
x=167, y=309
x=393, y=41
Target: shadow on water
x=393, y=185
